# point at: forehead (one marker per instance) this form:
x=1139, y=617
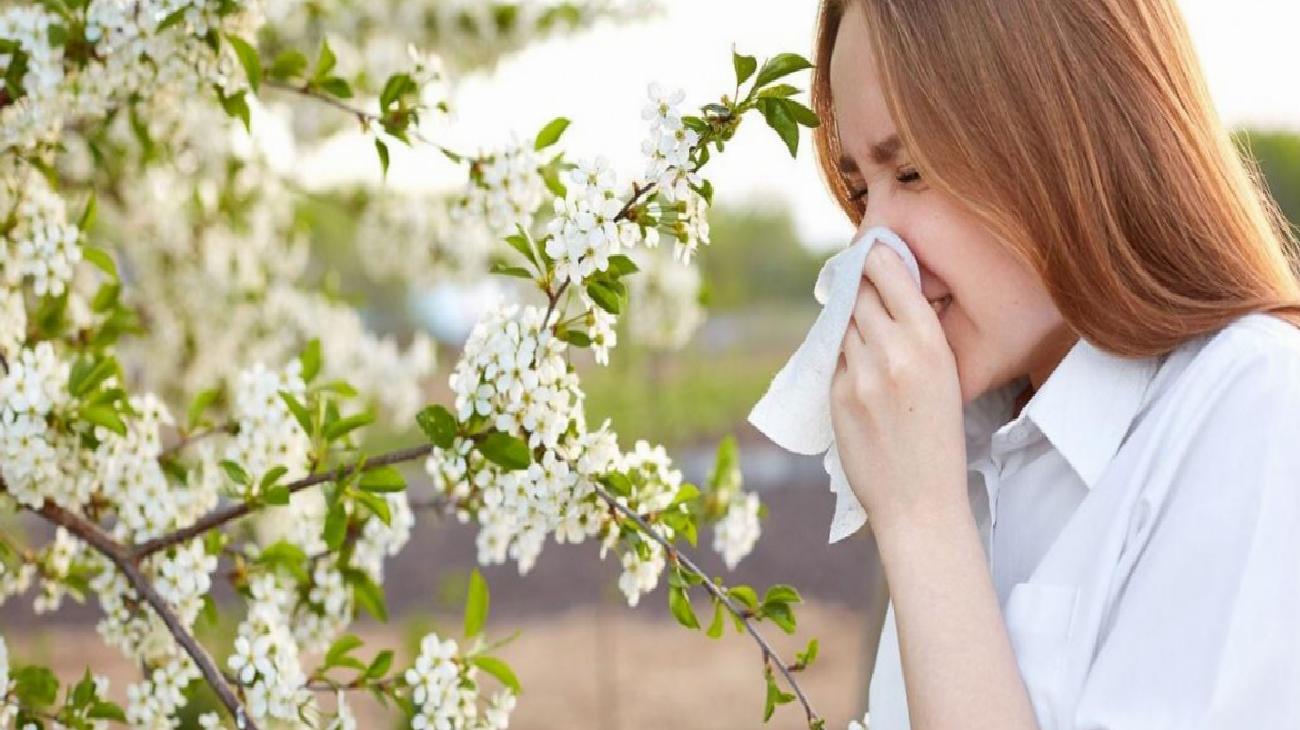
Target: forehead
x=861, y=114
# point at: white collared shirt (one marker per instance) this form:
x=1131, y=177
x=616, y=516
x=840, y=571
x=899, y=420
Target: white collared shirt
x=1141, y=518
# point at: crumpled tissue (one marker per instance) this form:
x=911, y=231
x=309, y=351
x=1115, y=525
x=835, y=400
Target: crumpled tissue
x=795, y=411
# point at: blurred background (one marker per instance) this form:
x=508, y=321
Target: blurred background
x=584, y=658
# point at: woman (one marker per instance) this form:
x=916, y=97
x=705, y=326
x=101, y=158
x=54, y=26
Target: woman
x=1081, y=456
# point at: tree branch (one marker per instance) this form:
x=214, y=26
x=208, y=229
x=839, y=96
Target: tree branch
x=123, y=560
x=769, y=654
x=221, y=515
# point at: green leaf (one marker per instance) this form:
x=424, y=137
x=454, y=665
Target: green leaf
x=779, y=119
x=716, y=626
x=725, y=477
x=744, y=65
x=172, y=19
x=621, y=264
x=601, y=293
x=235, y=472
x=774, y=696
x=100, y=258
x=805, y=658
x=680, y=604
x=277, y=495
x=236, y=106
x=438, y=424
x=396, y=86
x=248, y=58
x=272, y=476
x=377, y=506
x=288, y=64
x=369, y=595
x=380, y=665
x=780, y=65
x=504, y=270
x=104, y=416
x=340, y=649
x=35, y=686
x=506, y=451
x=298, y=410
x=745, y=596
x=383, y=479
x=476, y=604
x=324, y=61
x=106, y=710
x=781, y=614
x=782, y=593
x=498, y=669
x=310, y=359
x=382, y=149
x=522, y=243
x=577, y=338
x=779, y=90
x=550, y=134
x=82, y=380
x=343, y=426
x=336, y=526
x=337, y=87
x=87, y=220
x=201, y=401
x=800, y=113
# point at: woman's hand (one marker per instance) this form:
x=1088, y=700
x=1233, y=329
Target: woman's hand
x=896, y=403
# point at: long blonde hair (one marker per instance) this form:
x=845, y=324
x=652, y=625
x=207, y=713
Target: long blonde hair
x=1081, y=132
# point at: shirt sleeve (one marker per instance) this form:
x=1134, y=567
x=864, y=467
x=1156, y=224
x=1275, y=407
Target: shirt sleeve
x=1205, y=633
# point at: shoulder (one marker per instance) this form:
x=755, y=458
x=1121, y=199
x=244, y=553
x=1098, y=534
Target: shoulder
x=1251, y=363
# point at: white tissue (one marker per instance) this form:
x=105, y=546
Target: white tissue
x=795, y=411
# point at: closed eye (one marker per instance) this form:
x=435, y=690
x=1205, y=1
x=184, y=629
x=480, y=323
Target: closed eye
x=905, y=177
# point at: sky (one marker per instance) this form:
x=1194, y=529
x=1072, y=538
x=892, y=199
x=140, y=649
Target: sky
x=1249, y=51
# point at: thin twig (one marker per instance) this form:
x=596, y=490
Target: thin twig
x=123, y=560
x=769, y=654
x=221, y=515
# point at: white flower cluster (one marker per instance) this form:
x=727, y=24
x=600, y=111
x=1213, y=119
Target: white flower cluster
x=667, y=296
x=445, y=692
x=13, y=321
x=655, y=485
x=668, y=149
x=131, y=476
x=269, y=435
x=865, y=724
x=513, y=374
x=266, y=660
x=56, y=561
x=734, y=536
x=508, y=189
x=155, y=700
x=129, y=56
x=36, y=460
x=599, y=328
x=40, y=245
x=585, y=231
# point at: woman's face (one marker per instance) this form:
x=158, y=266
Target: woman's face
x=1001, y=323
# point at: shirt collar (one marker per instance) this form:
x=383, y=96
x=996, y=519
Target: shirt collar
x=1085, y=407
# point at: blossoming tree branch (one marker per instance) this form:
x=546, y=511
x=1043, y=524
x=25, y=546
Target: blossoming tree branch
x=180, y=390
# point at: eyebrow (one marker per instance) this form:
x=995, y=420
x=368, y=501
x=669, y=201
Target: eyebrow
x=882, y=153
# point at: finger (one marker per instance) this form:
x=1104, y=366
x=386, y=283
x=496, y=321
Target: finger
x=899, y=294
x=869, y=314
x=855, y=352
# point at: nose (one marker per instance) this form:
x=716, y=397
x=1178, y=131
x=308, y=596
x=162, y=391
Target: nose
x=931, y=287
